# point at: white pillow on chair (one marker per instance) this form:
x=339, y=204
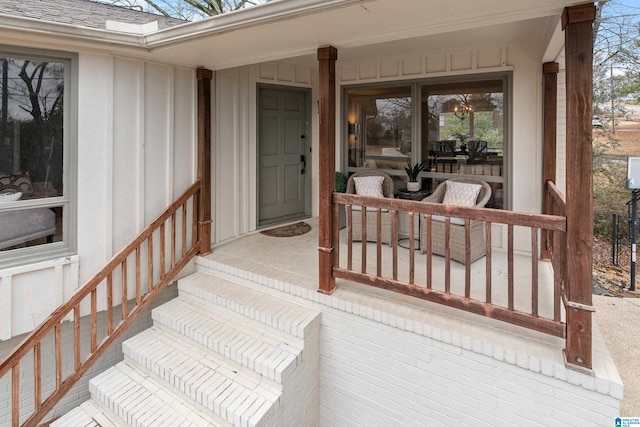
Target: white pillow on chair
x=461, y=194
x=369, y=186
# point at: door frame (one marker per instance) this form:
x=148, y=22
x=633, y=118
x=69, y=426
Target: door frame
x=307, y=148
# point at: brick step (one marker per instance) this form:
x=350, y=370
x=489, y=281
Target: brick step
x=203, y=377
x=265, y=309
x=140, y=400
x=271, y=356
x=86, y=415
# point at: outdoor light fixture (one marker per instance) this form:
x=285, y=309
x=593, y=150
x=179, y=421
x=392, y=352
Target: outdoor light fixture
x=462, y=111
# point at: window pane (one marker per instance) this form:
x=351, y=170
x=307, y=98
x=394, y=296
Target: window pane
x=30, y=227
x=463, y=133
x=31, y=152
x=379, y=129
x=31, y=127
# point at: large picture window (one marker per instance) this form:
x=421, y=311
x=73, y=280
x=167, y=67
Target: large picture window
x=453, y=128
x=34, y=169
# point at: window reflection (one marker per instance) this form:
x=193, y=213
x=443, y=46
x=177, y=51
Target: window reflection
x=31, y=151
x=463, y=133
x=379, y=127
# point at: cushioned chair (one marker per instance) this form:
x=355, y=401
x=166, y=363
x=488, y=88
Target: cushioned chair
x=25, y=225
x=457, y=229
x=377, y=184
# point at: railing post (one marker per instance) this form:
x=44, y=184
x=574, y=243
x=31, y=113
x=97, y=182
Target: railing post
x=327, y=114
x=577, y=24
x=204, y=77
x=550, y=114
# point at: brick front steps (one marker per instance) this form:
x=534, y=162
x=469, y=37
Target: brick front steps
x=218, y=355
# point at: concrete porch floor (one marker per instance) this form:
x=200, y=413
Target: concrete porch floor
x=299, y=255
x=288, y=267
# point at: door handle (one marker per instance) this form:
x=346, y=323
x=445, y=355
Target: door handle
x=303, y=159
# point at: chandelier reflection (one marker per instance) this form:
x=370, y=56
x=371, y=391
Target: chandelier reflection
x=462, y=111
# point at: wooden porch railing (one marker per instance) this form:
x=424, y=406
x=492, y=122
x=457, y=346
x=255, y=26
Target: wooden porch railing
x=529, y=317
x=130, y=282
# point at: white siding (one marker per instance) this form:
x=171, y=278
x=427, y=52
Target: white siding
x=234, y=143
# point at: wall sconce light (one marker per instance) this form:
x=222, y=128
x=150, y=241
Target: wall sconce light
x=462, y=112
x=352, y=128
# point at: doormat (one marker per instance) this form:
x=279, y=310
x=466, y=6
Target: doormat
x=291, y=230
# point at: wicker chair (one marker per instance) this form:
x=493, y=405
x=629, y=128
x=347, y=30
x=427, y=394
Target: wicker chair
x=457, y=232
x=387, y=191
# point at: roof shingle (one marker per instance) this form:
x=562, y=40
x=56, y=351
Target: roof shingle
x=85, y=13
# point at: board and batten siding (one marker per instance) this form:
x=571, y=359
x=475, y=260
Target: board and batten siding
x=136, y=134
x=234, y=144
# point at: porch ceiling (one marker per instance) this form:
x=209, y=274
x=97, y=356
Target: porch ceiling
x=293, y=30
x=362, y=29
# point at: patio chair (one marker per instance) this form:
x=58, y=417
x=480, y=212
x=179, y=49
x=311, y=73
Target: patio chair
x=457, y=229
x=380, y=185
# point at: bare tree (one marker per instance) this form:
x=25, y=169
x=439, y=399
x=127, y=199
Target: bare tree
x=187, y=9
x=616, y=59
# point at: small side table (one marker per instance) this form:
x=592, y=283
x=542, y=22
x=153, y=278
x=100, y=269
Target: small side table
x=405, y=194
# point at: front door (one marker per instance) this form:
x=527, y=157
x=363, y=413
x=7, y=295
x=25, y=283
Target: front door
x=283, y=158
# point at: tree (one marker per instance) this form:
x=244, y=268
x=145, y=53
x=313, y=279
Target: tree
x=616, y=53
x=187, y=9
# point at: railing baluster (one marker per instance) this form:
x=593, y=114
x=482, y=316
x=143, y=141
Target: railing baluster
x=394, y=240
x=194, y=218
x=94, y=319
x=363, y=261
x=534, y=271
x=138, y=284
x=125, y=286
x=429, y=252
x=488, y=262
x=15, y=396
x=412, y=248
x=379, y=243
x=163, y=258
x=184, y=230
x=510, y=266
x=37, y=376
x=447, y=256
x=76, y=337
x=349, y=237
x=109, y=304
x=467, y=258
x=150, y=261
x=173, y=240
x=58, y=353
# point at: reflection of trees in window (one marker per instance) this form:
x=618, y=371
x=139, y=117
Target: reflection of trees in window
x=390, y=124
x=483, y=120
x=32, y=119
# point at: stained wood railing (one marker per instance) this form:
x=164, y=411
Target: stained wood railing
x=527, y=315
x=100, y=311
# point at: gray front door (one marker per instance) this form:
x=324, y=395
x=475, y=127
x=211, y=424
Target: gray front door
x=283, y=158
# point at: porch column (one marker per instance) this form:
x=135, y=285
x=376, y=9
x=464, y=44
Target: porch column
x=327, y=114
x=204, y=77
x=577, y=25
x=550, y=113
